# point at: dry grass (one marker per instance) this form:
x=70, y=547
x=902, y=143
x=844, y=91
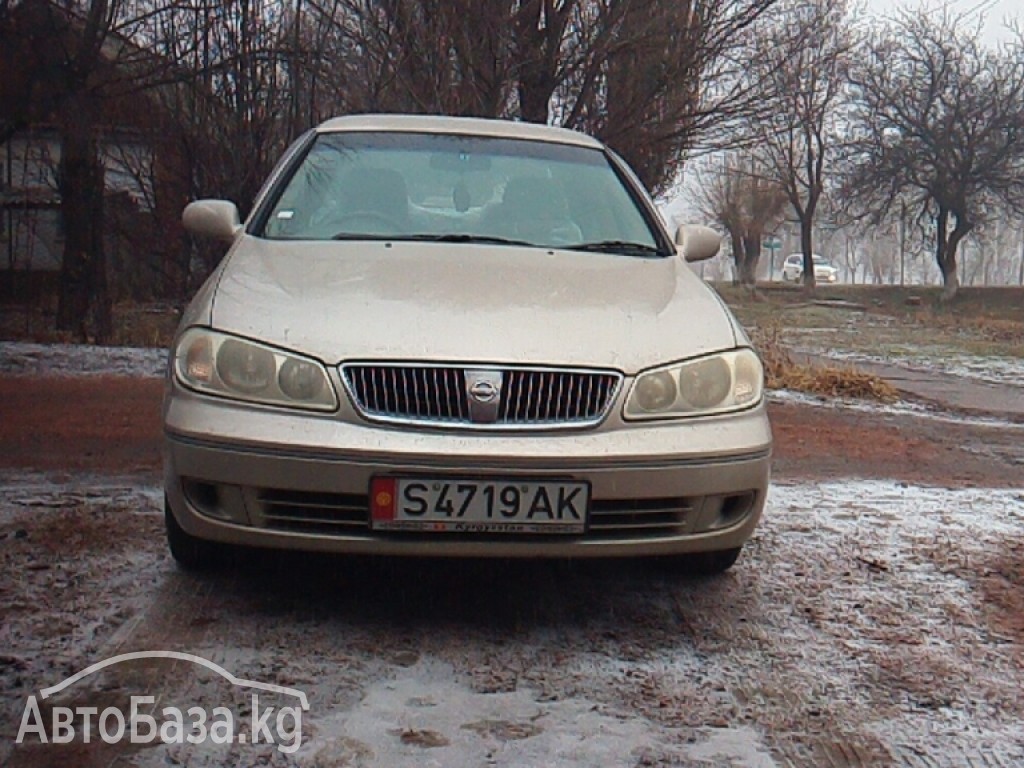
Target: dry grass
x=997, y=329
x=782, y=372
x=993, y=314
x=135, y=325
x=144, y=325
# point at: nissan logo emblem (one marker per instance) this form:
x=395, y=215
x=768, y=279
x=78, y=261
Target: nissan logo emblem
x=483, y=391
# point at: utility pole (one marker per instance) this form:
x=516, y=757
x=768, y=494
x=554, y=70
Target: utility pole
x=1021, y=278
x=903, y=239
x=9, y=183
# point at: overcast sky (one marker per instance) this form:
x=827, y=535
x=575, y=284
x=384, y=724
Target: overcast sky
x=995, y=12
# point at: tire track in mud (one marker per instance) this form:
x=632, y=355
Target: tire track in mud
x=126, y=595
x=857, y=751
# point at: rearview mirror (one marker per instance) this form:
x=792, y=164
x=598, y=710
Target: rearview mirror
x=459, y=162
x=697, y=243
x=212, y=218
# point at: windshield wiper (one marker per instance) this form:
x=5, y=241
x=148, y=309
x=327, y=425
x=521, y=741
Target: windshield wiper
x=616, y=246
x=463, y=238
x=361, y=236
x=428, y=238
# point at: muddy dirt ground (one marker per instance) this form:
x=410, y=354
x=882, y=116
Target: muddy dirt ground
x=877, y=618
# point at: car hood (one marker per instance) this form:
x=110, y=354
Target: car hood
x=467, y=303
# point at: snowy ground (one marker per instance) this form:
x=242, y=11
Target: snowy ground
x=943, y=360
x=898, y=408
x=872, y=338
x=25, y=359
x=869, y=623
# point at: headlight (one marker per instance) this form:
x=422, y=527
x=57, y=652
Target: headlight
x=218, y=364
x=729, y=381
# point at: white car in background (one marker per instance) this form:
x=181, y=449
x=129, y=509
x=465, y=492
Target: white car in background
x=793, y=269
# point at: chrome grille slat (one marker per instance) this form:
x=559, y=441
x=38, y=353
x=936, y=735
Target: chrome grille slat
x=437, y=394
x=298, y=519
x=311, y=504
x=659, y=524
x=570, y=411
x=586, y=398
x=373, y=384
x=529, y=396
x=447, y=396
x=549, y=389
x=435, y=388
x=404, y=376
x=597, y=514
x=515, y=399
x=640, y=517
x=314, y=512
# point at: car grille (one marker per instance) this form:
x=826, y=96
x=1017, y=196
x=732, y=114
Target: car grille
x=345, y=514
x=306, y=512
x=440, y=395
x=638, y=518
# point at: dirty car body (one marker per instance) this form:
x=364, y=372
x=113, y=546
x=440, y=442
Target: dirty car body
x=458, y=337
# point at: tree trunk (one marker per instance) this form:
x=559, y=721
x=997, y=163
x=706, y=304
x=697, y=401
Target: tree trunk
x=536, y=75
x=751, y=256
x=950, y=279
x=807, y=248
x=84, y=306
x=946, y=246
x=738, y=255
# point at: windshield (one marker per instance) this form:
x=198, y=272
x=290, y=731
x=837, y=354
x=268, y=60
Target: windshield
x=410, y=186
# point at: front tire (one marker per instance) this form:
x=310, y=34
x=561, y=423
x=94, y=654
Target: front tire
x=191, y=553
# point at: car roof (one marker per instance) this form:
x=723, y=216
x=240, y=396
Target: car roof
x=459, y=126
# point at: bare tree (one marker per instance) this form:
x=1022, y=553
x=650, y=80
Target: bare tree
x=746, y=205
x=244, y=85
x=88, y=69
x=652, y=78
x=228, y=85
x=939, y=121
x=803, y=55
x=671, y=77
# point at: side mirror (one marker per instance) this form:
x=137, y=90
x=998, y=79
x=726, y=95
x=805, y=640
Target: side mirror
x=697, y=243
x=212, y=218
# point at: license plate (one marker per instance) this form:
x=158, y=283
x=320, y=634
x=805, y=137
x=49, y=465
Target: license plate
x=478, y=506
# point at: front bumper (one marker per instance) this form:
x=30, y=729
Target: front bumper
x=268, y=478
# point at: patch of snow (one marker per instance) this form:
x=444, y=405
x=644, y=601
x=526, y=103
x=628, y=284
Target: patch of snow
x=899, y=510
x=901, y=408
x=23, y=492
x=855, y=614
x=70, y=360
x=991, y=369
x=425, y=719
x=738, y=747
